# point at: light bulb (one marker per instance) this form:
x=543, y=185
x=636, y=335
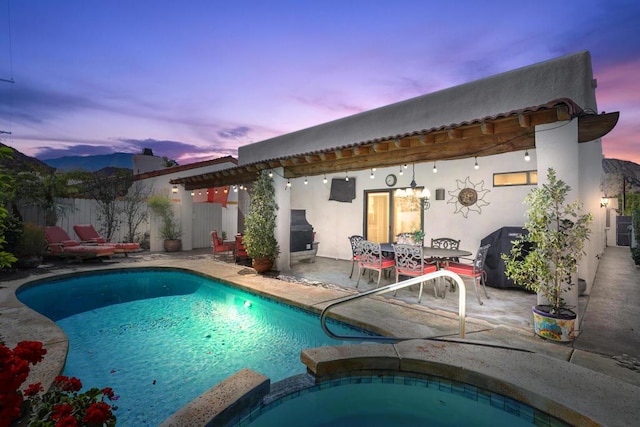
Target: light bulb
x=324, y=180
x=526, y=156
x=476, y=166
x=435, y=169
x=305, y=181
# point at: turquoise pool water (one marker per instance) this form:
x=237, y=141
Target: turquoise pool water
x=160, y=338
x=390, y=400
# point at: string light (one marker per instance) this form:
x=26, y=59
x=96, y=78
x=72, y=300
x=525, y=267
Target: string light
x=372, y=176
x=270, y=174
x=476, y=166
x=346, y=176
x=324, y=180
x=235, y=188
x=288, y=183
x=305, y=181
x=526, y=156
x=435, y=169
x=401, y=171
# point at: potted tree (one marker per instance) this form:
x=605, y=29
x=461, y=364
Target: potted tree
x=170, y=230
x=260, y=224
x=545, y=259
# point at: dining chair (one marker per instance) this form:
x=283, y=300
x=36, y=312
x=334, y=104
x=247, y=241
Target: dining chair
x=220, y=246
x=474, y=270
x=370, y=258
x=240, y=250
x=354, y=240
x=446, y=243
x=410, y=261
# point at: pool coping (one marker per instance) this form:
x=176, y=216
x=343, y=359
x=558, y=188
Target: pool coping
x=587, y=398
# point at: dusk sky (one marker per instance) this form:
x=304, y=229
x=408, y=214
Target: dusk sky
x=194, y=80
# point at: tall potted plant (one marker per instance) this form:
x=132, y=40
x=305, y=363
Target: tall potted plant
x=170, y=230
x=260, y=224
x=545, y=259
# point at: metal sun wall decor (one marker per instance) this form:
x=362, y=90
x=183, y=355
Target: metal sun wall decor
x=468, y=197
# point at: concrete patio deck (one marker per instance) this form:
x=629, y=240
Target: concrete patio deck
x=504, y=321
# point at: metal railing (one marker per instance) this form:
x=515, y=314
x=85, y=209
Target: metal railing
x=394, y=287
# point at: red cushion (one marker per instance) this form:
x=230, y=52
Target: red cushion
x=427, y=269
x=463, y=269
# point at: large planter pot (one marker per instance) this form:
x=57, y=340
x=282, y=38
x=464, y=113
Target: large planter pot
x=262, y=265
x=557, y=327
x=172, y=245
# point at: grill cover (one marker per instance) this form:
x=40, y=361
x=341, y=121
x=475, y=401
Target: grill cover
x=501, y=242
x=301, y=234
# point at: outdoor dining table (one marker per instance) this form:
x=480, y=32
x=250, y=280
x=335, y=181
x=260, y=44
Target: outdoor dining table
x=440, y=254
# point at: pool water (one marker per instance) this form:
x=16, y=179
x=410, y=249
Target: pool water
x=381, y=401
x=161, y=338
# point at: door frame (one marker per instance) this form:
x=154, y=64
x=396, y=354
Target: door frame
x=391, y=192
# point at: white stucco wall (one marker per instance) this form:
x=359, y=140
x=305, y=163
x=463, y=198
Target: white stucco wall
x=183, y=205
x=579, y=165
x=335, y=221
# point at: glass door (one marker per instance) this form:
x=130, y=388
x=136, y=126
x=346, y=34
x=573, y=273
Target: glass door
x=389, y=213
x=377, y=216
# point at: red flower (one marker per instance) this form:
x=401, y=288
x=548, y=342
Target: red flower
x=31, y=351
x=9, y=407
x=108, y=391
x=61, y=411
x=97, y=413
x=33, y=389
x=68, y=421
x=65, y=383
x=13, y=372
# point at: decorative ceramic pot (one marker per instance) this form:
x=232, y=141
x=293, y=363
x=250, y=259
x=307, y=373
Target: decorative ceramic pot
x=557, y=327
x=262, y=265
x=172, y=245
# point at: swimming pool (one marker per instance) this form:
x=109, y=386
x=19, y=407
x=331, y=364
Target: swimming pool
x=160, y=338
x=385, y=400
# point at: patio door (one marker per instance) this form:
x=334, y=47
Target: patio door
x=388, y=213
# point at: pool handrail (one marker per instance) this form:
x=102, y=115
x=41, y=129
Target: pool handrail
x=394, y=287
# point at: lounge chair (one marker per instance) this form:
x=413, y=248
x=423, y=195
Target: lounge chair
x=220, y=246
x=60, y=245
x=89, y=235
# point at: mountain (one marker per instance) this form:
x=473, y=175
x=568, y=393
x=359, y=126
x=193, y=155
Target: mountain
x=616, y=171
x=21, y=162
x=92, y=163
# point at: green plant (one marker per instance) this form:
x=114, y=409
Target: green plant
x=260, y=222
x=418, y=236
x=160, y=205
x=546, y=257
x=635, y=221
x=6, y=186
x=32, y=241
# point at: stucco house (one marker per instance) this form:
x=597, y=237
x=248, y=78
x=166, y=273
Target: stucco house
x=478, y=148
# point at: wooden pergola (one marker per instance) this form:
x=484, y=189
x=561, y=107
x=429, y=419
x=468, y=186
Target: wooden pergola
x=498, y=134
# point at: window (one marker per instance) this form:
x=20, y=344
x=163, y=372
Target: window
x=507, y=179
